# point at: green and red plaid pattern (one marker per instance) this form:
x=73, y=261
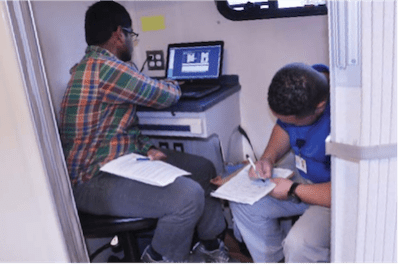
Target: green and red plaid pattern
x=98, y=120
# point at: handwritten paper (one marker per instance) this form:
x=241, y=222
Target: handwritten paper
x=155, y=172
x=242, y=189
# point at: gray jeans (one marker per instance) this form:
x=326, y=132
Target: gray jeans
x=180, y=206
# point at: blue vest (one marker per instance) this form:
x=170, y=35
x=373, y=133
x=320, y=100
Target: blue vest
x=309, y=143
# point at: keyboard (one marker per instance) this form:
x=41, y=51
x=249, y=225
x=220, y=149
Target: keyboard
x=198, y=91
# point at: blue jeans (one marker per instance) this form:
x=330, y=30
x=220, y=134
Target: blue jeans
x=260, y=228
x=258, y=225
x=180, y=206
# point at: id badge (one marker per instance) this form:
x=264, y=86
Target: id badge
x=301, y=164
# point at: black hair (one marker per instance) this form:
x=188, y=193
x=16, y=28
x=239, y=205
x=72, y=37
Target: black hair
x=297, y=89
x=102, y=19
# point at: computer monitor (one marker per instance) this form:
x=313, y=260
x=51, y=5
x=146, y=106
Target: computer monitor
x=194, y=61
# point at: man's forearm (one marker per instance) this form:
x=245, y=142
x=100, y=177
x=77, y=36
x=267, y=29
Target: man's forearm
x=278, y=145
x=317, y=194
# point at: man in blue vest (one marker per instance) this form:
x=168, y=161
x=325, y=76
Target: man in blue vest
x=299, y=97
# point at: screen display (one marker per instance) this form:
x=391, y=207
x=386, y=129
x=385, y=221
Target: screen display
x=201, y=62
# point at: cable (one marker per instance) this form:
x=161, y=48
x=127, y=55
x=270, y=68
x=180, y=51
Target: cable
x=133, y=65
x=221, y=151
x=241, y=130
x=144, y=63
x=98, y=251
x=114, y=243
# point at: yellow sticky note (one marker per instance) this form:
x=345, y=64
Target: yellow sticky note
x=151, y=23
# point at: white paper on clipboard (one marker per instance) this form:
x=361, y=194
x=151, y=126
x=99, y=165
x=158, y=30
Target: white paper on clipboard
x=242, y=189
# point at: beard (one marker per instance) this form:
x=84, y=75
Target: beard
x=126, y=56
x=126, y=53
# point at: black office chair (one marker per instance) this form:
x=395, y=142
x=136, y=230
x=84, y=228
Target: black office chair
x=127, y=229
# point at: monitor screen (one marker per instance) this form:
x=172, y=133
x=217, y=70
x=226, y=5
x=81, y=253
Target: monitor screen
x=194, y=61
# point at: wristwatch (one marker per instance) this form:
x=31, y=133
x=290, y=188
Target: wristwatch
x=292, y=195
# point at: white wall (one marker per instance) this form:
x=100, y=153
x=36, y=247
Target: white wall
x=254, y=50
x=29, y=226
x=60, y=27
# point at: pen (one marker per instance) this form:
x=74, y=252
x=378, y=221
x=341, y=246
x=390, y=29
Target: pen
x=141, y=159
x=254, y=167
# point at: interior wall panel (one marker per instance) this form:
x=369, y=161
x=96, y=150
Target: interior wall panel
x=375, y=214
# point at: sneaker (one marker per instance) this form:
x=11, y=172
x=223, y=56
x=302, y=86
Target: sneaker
x=219, y=255
x=193, y=258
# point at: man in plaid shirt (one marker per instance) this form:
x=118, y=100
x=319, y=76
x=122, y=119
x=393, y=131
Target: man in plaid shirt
x=99, y=124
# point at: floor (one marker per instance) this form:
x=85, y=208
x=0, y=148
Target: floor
x=234, y=249
x=232, y=244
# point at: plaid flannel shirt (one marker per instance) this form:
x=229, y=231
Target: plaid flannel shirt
x=98, y=120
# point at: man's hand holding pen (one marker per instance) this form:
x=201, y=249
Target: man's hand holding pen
x=261, y=169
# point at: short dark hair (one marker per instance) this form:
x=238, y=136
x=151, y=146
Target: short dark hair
x=102, y=19
x=297, y=89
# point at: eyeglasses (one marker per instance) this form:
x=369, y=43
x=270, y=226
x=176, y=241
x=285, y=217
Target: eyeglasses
x=131, y=32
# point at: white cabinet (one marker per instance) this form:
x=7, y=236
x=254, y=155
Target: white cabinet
x=202, y=126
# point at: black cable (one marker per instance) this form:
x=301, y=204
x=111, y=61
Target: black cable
x=241, y=130
x=144, y=63
x=221, y=152
x=133, y=64
x=98, y=251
